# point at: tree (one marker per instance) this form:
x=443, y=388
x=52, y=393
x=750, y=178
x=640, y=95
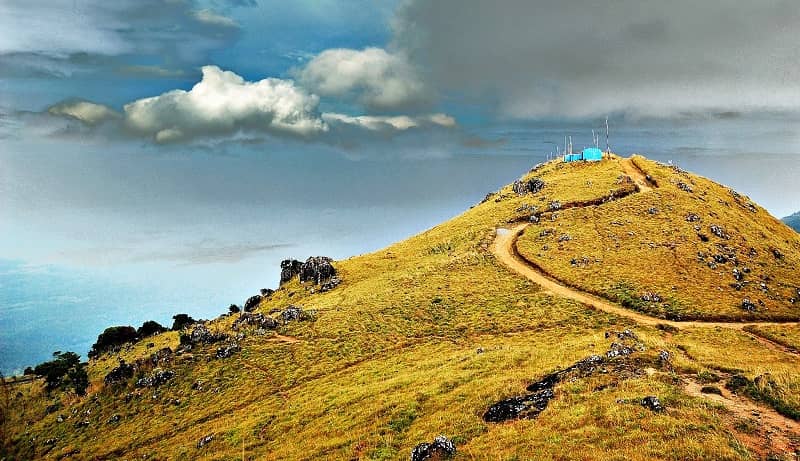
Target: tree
x=64, y=370
x=149, y=328
x=180, y=321
x=111, y=337
x=234, y=309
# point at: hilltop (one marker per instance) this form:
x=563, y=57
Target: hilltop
x=547, y=322
x=793, y=221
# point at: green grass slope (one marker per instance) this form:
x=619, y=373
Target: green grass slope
x=419, y=340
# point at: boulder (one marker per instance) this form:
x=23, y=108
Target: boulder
x=718, y=231
x=441, y=448
x=256, y=320
x=227, y=350
x=527, y=407
x=156, y=379
x=289, y=268
x=205, y=441
x=653, y=404
x=532, y=186
x=748, y=305
x=330, y=284
x=200, y=334
x=294, y=313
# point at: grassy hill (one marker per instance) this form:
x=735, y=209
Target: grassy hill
x=793, y=221
x=423, y=337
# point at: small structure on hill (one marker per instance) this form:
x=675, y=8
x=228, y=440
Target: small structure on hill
x=590, y=154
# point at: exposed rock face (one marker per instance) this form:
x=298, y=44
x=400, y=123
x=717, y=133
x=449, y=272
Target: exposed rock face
x=330, y=284
x=256, y=320
x=120, y=373
x=526, y=406
x=294, y=313
x=252, y=302
x=441, y=448
x=317, y=269
x=157, y=378
x=289, y=268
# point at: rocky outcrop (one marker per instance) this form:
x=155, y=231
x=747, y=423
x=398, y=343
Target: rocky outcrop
x=531, y=186
x=157, y=378
x=317, y=269
x=295, y=313
x=200, y=334
x=120, y=374
x=227, y=350
x=254, y=320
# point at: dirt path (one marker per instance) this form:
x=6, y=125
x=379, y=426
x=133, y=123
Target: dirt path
x=636, y=173
x=504, y=248
x=775, y=427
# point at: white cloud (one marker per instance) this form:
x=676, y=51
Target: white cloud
x=374, y=77
x=391, y=123
x=84, y=111
x=209, y=17
x=222, y=104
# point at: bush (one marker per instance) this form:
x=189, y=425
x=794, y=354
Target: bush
x=150, y=328
x=112, y=337
x=64, y=370
x=234, y=309
x=180, y=321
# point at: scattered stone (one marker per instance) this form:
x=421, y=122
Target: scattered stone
x=121, y=373
x=650, y=297
x=564, y=238
x=653, y=404
x=554, y=205
x=691, y=217
x=205, y=441
x=652, y=210
x=663, y=356
x=258, y=320
x=718, y=231
x=317, y=269
x=738, y=275
x=161, y=357
x=252, y=302
x=748, y=305
x=50, y=442
x=441, y=448
x=777, y=254
x=157, y=378
x=685, y=187
x=227, y=350
x=60, y=418
x=289, y=268
x=114, y=419
x=619, y=350
x=82, y=423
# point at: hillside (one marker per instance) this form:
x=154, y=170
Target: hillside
x=440, y=335
x=793, y=221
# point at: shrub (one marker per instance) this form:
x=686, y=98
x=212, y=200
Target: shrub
x=112, y=337
x=234, y=309
x=180, y=321
x=150, y=328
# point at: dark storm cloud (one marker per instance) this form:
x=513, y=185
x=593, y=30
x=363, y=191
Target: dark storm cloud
x=61, y=37
x=537, y=58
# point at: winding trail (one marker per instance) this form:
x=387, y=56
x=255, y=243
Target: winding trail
x=505, y=249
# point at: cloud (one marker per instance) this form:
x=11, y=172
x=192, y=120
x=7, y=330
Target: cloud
x=60, y=37
x=222, y=104
x=84, y=111
x=375, y=78
x=391, y=123
x=536, y=58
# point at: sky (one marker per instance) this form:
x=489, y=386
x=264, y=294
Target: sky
x=159, y=156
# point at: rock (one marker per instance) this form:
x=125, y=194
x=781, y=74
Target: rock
x=257, y=320
x=289, y=268
x=691, y=217
x=737, y=274
x=663, y=356
x=684, y=187
x=119, y=374
x=652, y=210
x=554, y=205
x=441, y=448
x=525, y=407
x=564, y=238
x=748, y=305
x=50, y=442
x=157, y=378
x=777, y=254
x=60, y=418
x=619, y=350
x=652, y=403
x=227, y=350
x=294, y=313
x=252, y=302
x=330, y=284
x=200, y=334
x=530, y=186
x=205, y=441
x=82, y=423
x=317, y=269
x=113, y=419
x=651, y=297
x=161, y=357
x=718, y=231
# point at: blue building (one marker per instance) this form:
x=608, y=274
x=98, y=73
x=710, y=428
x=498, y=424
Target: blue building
x=591, y=154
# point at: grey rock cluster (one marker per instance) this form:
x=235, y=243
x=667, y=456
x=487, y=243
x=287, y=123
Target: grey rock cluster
x=441, y=448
